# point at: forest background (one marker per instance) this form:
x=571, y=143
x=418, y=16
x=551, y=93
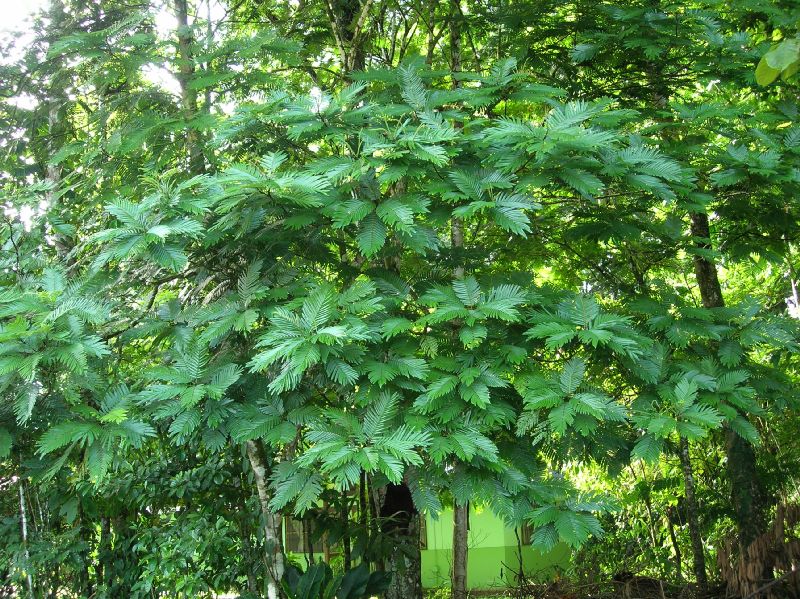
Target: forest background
x=354, y=261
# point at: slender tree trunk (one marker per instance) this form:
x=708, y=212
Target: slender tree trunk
x=400, y=521
x=458, y=576
x=456, y=225
x=704, y=269
x=209, y=44
x=460, y=551
x=457, y=243
x=348, y=20
x=376, y=495
x=674, y=539
x=431, y=41
x=272, y=521
x=520, y=564
x=56, y=118
x=186, y=70
x=307, y=544
x=455, y=40
x=247, y=548
x=121, y=553
x=363, y=506
x=346, y=536
x=651, y=522
x=86, y=534
x=747, y=496
x=23, y=523
x=103, y=553
x=698, y=555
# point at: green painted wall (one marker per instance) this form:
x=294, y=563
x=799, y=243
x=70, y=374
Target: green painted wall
x=492, y=551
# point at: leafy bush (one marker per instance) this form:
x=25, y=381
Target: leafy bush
x=319, y=582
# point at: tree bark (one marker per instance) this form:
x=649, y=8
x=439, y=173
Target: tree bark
x=704, y=269
x=348, y=19
x=186, y=70
x=308, y=545
x=346, y=537
x=363, y=506
x=249, y=556
x=460, y=551
x=455, y=39
x=84, y=533
x=400, y=521
x=122, y=555
x=209, y=45
x=674, y=539
x=692, y=518
x=456, y=225
x=747, y=495
x=23, y=522
x=376, y=496
x=272, y=521
x=431, y=40
x=57, y=118
x=103, y=553
x=405, y=564
x=458, y=576
x=247, y=548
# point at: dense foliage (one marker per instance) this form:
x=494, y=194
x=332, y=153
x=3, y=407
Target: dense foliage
x=350, y=262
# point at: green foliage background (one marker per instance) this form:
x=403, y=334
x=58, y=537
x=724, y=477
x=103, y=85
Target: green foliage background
x=456, y=247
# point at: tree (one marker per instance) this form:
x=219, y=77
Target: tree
x=342, y=268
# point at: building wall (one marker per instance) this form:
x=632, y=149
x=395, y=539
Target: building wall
x=493, y=559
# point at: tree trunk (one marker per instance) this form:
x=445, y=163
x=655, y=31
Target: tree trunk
x=747, y=495
x=363, y=507
x=457, y=243
x=85, y=534
x=209, y=45
x=23, y=523
x=431, y=40
x=56, y=118
x=674, y=539
x=348, y=19
x=698, y=555
x=400, y=521
x=122, y=556
x=308, y=545
x=247, y=548
x=103, y=553
x=272, y=522
x=346, y=536
x=249, y=557
x=458, y=576
x=456, y=225
x=376, y=496
x=460, y=551
x=455, y=40
x=405, y=564
x=186, y=70
x=704, y=269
